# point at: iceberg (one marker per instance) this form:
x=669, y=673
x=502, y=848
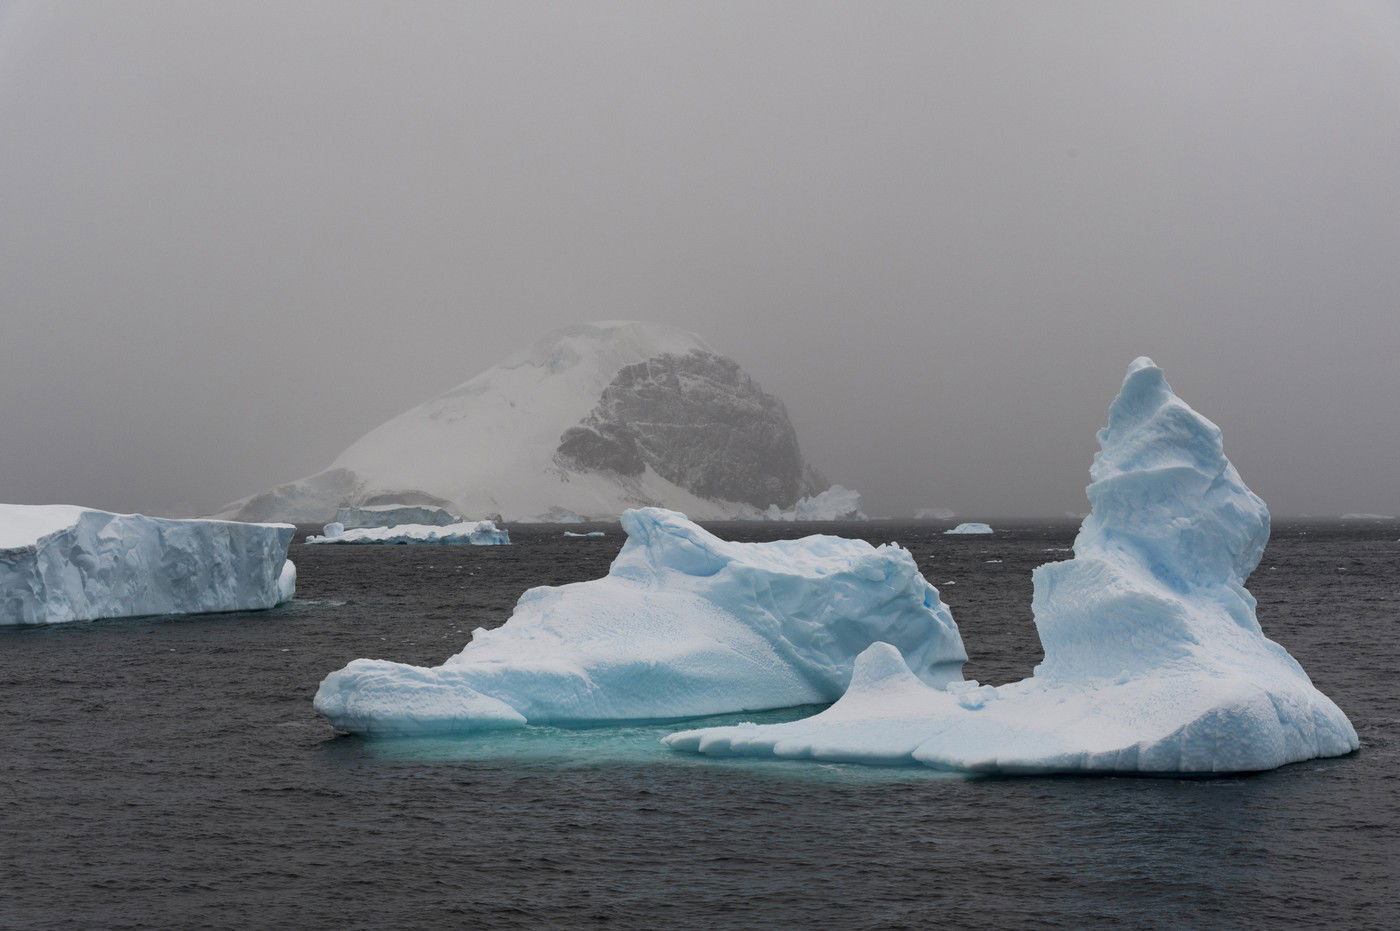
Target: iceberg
x=394, y=515
x=466, y=533
x=836, y=503
x=970, y=528
x=589, y=534
x=1154, y=659
x=683, y=625
x=66, y=563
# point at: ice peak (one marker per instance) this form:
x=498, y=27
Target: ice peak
x=1164, y=490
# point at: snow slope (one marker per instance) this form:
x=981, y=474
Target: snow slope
x=684, y=624
x=394, y=515
x=66, y=563
x=633, y=398
x=1154, y=660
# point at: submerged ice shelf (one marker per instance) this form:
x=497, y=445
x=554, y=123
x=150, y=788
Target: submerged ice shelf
x=1154, y=660
x=683, y=625
x=65, y=563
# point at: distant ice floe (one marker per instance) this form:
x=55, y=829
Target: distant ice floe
x=591, y=533
x=1154, y=660
x=66, y=563
x=970, y=528
x=684, y=624
x=471, y=532
x=1368, y=517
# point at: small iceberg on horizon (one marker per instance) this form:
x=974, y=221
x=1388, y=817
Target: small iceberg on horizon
x=970, y=528
x=466, y=533
x=683, y=625
x=62, y=563
x=1154, y=660
x=590, y=534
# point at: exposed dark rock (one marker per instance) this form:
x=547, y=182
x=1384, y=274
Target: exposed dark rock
x=699, y=421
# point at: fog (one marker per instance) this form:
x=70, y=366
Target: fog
x=236, y=236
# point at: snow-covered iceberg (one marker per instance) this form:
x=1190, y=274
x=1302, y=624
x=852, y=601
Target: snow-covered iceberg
x=589, y=534
x=394, y=515
x=970, y=528
x=1154, y=660
x=684, y=624
x=470, y=532
x=65, y=563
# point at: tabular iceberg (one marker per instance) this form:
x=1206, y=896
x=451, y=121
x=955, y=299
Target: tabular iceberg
x=65, y=563
x=1154, y=661
x=970, y=528
x=471, y=532
x=684, y=624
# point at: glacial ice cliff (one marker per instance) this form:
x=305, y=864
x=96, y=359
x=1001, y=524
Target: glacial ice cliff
x=836, y=503
x=1154, y=659
x=65, y=563
x=684, y=624
x=465, y=533
x=589, y=421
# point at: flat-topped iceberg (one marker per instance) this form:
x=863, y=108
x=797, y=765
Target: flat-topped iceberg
x=970, y=528
x=65, y=563
x=1154, y=660
x=466, y=533
x=394, y=515
x=684, y=624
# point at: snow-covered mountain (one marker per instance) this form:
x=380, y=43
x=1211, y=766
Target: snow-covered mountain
x=589, y=421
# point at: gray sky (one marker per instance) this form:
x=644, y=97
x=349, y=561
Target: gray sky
x=235, y=236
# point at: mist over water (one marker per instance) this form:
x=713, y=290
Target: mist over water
x=240, y=235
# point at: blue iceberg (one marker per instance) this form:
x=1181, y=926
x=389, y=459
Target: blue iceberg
x=1154, y=659
x=683, y=625
x=66, y=563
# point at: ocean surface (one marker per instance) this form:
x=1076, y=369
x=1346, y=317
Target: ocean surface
x=171, y=773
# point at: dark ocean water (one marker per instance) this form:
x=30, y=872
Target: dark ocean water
x=170, y=773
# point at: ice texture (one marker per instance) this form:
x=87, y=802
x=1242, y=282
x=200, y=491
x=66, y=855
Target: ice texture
x=836, y=503
x=470, y=532
x=684, y=624
x=394, y=515
x=66, y=563
x=1154, y=660
x=970, y=528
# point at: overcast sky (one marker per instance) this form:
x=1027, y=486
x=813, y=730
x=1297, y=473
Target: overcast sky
x=235, y=236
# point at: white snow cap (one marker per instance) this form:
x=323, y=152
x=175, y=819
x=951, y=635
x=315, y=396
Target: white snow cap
x=1154, y=660
x=684, y=624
